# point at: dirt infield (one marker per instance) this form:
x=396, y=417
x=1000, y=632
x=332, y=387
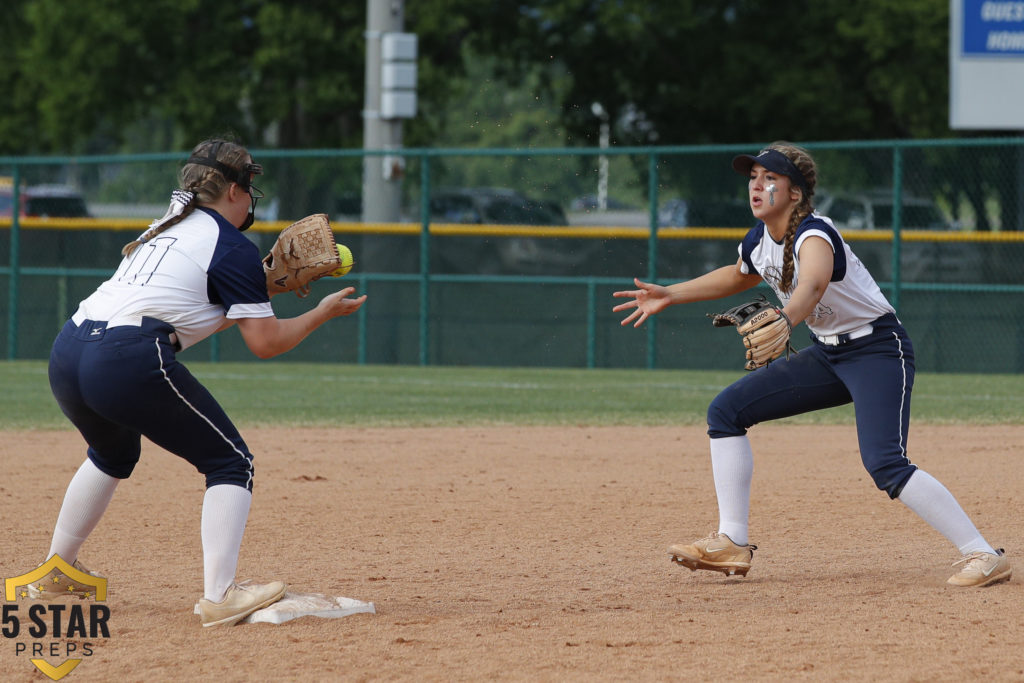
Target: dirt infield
x=539, y=554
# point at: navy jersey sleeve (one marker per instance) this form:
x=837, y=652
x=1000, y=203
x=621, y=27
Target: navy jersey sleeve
x=236, y=274
x=750, y=241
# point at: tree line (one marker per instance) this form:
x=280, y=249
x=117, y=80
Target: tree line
x=106, y=75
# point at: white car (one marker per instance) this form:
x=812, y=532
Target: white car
x=873, y=211
x=920, y=261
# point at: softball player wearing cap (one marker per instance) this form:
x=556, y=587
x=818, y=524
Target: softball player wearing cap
x=860, y=353
x=115, y=374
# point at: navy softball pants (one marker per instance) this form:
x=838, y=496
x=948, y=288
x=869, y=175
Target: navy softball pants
x=875, y=372
x=119, y=384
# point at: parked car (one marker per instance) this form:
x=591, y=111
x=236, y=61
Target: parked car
x=590, y=202
x=705, y=213
x=698, y=256
x=512, y=254
x=920, y=261
x=493, y=206
x=873, y=211
x=54, y=201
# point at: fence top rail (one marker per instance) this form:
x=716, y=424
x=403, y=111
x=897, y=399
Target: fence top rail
x=517, y=151
x=483, y=230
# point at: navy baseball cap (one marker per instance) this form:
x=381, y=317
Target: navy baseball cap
x=773, y=160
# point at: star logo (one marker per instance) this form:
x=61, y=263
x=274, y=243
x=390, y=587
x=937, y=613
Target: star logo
x=57, y=628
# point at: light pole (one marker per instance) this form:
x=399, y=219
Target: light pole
x=602, y=161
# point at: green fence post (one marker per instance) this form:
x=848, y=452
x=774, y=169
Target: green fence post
x=12, y=290
x=425, y=260
x=897, y=240
x=361, y=318
x=652, y=253
x=591, y=321
x=62, y=301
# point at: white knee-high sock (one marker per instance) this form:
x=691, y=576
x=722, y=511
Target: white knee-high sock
x=925, y=495
x=732, y=462
x=225, y=511
x=85, y=501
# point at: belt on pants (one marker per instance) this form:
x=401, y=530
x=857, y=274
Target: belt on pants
x=126, y=321
x=837, y=339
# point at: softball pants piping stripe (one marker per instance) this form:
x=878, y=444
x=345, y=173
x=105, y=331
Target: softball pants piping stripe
x=170, y=383
x=906, y=396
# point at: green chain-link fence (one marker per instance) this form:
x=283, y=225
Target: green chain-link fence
x=509, y=257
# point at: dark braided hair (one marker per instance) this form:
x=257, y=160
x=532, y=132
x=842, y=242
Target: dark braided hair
x=205, y=183
x=805, y=164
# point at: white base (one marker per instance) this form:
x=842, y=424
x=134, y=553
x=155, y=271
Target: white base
x=294, y=605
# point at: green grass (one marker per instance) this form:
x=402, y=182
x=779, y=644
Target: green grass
x=281, y=393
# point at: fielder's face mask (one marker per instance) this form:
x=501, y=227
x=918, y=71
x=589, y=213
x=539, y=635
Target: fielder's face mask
x=773, y=160
x=241, y=177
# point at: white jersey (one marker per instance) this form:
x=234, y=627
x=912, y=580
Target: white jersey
x=195, y=275
x=852, y=298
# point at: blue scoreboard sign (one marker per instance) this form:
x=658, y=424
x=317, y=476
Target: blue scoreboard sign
x=993, y=28
x=986, y=64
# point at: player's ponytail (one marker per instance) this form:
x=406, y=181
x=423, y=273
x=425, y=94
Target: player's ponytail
x=805, y=164
x=182, y=203
x=200, y=183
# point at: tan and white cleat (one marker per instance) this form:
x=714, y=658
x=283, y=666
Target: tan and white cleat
x=981, y=569
x=240, y=601
x=715, y=553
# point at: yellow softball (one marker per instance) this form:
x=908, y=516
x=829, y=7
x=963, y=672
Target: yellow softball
x=345, y=254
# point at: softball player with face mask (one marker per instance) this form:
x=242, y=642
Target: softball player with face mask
x=115, y=374
x=860, y=353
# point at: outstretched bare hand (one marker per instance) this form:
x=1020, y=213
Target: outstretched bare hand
x=336, y=305
x=647, y=300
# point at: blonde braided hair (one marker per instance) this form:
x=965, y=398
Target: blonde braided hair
x=805, y=164
x=204, y=183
